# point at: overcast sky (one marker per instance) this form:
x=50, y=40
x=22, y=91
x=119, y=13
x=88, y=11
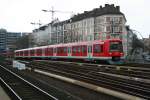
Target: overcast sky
x=16, y=15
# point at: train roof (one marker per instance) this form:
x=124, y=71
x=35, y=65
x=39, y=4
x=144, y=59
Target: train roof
x=68, y=44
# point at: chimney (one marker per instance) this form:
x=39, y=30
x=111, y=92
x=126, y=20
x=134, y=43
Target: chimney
x=112, y=5
x=118, y=8
x=100, y=7
x=106, y=5
x=85, y=11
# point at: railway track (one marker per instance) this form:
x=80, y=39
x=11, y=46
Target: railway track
x=95, y=76
x=137, y=72
x=138, y=65
x=147, y=65
x=20, y=89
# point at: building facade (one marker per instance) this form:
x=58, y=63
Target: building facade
x=7, y=40
x=98, y=24
x=147, y=43
x=2, y=40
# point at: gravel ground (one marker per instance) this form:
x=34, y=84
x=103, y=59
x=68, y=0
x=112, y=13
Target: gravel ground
x=78, y=92
x=3, y=94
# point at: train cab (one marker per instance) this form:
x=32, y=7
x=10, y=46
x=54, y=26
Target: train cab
x=115, y=50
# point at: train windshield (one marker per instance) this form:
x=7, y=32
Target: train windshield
x=116, y=46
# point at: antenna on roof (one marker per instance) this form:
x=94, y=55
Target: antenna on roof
x=54, y=11
x=34, y=23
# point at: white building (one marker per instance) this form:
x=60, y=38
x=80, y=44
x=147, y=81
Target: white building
x=99, y=24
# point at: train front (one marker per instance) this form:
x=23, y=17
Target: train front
x=115, y=49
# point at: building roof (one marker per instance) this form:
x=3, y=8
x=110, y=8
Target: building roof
x=107, y=9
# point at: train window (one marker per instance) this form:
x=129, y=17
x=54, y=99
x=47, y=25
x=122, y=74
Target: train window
x=102, y=48
x=116, y=46
x=21, y=53
x=26, y=53
x=58, y=50
x=39, y=51
x=89, y=49
x=79, y=49
x=84, y=49
x=65, y=50
x=17, y=53
x=74, y=50
x=32, y=52
x=50, y=50
x=55, y=50
x=46, y=50
x=97, y=48
x=68, y=49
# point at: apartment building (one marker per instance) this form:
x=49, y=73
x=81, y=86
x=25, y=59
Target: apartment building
x=7, y=40
x=101, y=23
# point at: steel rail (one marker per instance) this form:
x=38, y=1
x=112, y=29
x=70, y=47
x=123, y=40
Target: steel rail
x=30, y=84
x=79, y=75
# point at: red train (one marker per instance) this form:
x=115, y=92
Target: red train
x=108, y=50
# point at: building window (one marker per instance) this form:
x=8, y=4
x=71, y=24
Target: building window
x=120, y=29
x=116, y=19
x=120, y=19
x=96, y=36
x=115, y=36
x=116, y=29
x=107, y=19
x=108, y=28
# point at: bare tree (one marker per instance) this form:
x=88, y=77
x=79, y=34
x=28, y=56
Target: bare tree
x=22, y=43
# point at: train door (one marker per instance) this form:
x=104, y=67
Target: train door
x=90, y=52
x=55, y=51
x=69, y=51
